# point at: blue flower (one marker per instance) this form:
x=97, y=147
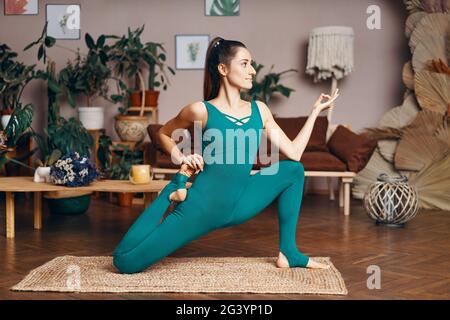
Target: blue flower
x=73, y=170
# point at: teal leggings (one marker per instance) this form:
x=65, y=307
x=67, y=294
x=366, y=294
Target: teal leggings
x=217, y=202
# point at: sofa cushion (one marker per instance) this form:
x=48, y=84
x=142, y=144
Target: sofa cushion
x=164, y=161
x=321, y=161
x=312, y=161
x=317, y=140
x=152, y=130
x=352, y=148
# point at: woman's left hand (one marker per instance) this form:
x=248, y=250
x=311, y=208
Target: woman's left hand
x=320, y=106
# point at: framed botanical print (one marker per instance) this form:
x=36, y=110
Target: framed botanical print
x=222, y=7
x=63, y=21
x=191, y=51
x=21, y=7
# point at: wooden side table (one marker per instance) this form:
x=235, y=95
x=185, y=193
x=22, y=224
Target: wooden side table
x=9, y=185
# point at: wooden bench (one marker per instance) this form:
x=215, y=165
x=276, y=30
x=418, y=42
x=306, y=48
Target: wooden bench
x=9, y=185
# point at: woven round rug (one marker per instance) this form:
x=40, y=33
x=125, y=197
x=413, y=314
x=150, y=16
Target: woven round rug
x=194, y=275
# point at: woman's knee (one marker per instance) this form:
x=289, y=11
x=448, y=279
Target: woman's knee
x=124, y=265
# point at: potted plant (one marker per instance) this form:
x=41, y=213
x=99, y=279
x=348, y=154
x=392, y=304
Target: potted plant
x=128, y=55
x=16, y=118
x=88, y=76
x=15, y=134
x=61, y=134
x=265, y=88
x=14, y=77
x=156, y=58
x=116, y=162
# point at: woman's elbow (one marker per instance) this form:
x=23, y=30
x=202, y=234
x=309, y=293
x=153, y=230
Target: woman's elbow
x=296, y=156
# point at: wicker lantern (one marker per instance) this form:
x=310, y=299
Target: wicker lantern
x=391, y=200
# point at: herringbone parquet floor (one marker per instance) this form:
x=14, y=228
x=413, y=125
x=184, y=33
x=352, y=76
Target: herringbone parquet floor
x=414, y=261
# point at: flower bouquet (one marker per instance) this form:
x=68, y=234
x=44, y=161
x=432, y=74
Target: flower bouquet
x=73, y=170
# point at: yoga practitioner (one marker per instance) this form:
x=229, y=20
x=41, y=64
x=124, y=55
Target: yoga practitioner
x=223, y=194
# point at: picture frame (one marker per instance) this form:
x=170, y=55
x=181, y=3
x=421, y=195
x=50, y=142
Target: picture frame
x=59, y=17
x=190, y=51
x=14, y=8
x=222, y=8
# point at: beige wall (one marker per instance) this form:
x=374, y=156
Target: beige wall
x=276, y=32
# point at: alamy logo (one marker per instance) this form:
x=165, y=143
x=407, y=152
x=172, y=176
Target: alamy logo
x=374, y=280
x=234, y=147
x=73, y=281
x=373, y=22
x=73, y=17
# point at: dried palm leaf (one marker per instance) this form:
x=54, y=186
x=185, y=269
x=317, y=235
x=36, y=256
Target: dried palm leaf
x=433, y=90
x=382, y=133
x=432, y=48
x=443, y=134
x=401, y=116
x=419, y=146
x=448, y=48
x=435, y=5
x=412, y=21
x=432, y=184
x=439, y=66
x=426, y=121
x=408, y=75
x=370, y=173
x=433, y=24
x=395, y=120
x=413, y=6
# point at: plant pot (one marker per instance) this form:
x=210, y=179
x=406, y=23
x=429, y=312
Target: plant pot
x=151, y=98
x=68, y=202
x=5, y=120
x=131, y=128
x=125, y=198
x=92, y=117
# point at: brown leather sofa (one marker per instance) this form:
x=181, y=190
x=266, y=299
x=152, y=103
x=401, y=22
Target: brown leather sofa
x=332, y=151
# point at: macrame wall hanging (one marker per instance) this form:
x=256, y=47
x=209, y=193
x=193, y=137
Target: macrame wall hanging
x=330, y=55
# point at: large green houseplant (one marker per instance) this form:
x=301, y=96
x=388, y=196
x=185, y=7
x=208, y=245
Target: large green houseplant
x=88, y=76
x=265, y=88
x=16, y=117
x=61, y=136
x=130, y=55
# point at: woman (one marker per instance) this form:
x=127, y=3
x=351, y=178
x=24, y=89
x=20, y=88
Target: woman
x=223, y=194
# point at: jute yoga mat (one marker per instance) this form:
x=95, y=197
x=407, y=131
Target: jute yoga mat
x=194, y=275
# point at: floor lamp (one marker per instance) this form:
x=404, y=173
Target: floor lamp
x=330, y=55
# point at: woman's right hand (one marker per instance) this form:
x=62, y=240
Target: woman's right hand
x=194, y=161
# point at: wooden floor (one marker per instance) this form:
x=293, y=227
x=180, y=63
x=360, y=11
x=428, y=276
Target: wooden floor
x=414, y=261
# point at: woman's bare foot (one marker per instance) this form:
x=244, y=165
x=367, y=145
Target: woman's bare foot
x=180, y=194
x=282, y=262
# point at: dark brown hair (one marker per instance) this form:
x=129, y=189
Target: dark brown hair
x=219, y=51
